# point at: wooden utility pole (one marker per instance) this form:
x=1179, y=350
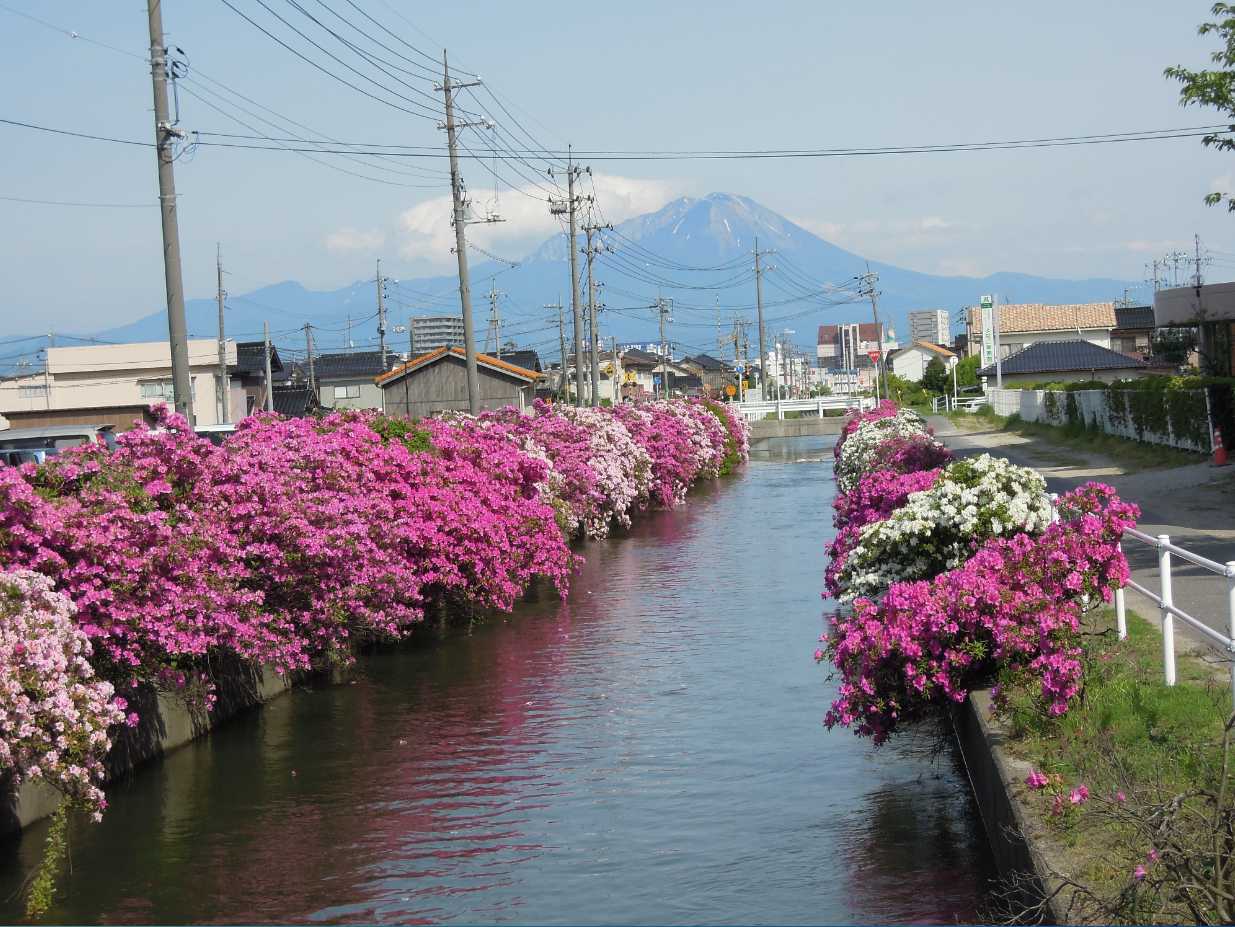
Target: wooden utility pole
x=164, y=135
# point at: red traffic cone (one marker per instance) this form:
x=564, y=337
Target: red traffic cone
x=1219, y=448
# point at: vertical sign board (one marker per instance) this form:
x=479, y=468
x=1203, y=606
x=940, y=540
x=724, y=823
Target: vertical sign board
x=988, y=330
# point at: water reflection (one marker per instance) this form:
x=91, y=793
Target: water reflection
x=649, y=750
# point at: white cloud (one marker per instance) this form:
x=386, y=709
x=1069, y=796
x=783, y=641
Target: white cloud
x=425, y=232
x=350, y=240
x=1153, y=247
x=933, y=223
x=828, y=231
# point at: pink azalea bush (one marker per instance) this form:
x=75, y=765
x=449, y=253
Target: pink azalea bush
x=1016, y=602
x=1005, y=588
x=54, y=713
x=298, y=538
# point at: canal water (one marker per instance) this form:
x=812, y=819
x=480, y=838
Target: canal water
x=648, y=751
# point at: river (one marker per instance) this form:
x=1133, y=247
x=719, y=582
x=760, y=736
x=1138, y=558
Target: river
x=649, y=750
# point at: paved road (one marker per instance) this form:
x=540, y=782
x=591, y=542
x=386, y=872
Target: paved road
x=1194, y=504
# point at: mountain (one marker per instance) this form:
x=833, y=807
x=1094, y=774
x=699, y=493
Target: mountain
x=663, y=251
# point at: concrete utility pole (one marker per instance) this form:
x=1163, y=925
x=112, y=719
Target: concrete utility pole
x=569, y=208
x=460, y=222
x=308, y=343
x=381, y=314
x=561, y=336
x=763, y=355
x=221, y=386
x=591, y=252
x=495, y=322
x=269, y=384
x=164, y=134
x=868, y=280
x=662, y=310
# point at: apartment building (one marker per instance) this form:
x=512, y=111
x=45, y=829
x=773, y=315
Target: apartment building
x=430, y=332
x=933, y=326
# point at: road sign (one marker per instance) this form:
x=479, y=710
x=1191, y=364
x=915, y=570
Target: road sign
x=730, y=389
x=874, y=356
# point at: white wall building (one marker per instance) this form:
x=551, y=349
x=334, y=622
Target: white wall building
x=910, y=362
x=111, y=375
x=932, y=325
x=1031, y=323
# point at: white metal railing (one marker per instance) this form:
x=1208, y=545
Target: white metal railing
x=954, y=404
x=759, y=409
x=1167, y=608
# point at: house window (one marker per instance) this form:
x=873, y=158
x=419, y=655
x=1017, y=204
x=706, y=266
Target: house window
x=163, y=390
x=347, y=392
x=37, y=391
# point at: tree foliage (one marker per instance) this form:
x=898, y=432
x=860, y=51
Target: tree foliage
x=1213, y=87
x=935, y=378
x=967, y=371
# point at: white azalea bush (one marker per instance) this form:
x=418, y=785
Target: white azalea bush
x=859, y=454
x=939, y=528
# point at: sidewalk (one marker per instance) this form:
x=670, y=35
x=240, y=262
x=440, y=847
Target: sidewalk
x=1194, y=504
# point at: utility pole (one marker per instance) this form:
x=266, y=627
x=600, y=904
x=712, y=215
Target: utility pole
x=495, y=322
x=561, y=335
x=381, y=314
x=662, y=310
x=221, y=386
x=164, y=134
x=763, y=389
x=590, y=229
x=557, y=208
x=868, y=281
x=447, y=87
x=308, y=343
x=269, y=385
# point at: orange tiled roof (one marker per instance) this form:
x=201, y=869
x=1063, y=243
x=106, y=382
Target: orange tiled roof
x=483, y=359
x=931, y=346
x=1039, y=317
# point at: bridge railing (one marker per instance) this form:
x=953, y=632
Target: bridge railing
x=758, y=410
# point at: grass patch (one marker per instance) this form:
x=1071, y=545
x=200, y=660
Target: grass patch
x=1129, y=734
x=1132, y=455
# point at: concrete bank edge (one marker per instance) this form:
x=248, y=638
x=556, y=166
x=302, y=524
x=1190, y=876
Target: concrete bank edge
x=996, y=780
x=167, y=723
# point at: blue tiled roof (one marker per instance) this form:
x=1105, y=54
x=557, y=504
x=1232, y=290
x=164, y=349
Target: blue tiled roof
x=1062, y=357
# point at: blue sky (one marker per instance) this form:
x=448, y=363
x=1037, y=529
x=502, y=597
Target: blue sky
x=636, y=74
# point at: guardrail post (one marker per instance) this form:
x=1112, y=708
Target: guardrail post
x=1168, y=617
x=1121, y=612
x=1230, y=628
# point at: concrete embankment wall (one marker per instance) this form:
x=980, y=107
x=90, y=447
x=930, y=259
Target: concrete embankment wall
x=995, y=778
x=796, y=428
x=167, y=722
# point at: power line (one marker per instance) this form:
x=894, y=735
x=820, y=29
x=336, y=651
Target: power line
x=422, y=111
x=20, y=199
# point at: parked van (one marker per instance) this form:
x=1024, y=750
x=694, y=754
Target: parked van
x=35, y=445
